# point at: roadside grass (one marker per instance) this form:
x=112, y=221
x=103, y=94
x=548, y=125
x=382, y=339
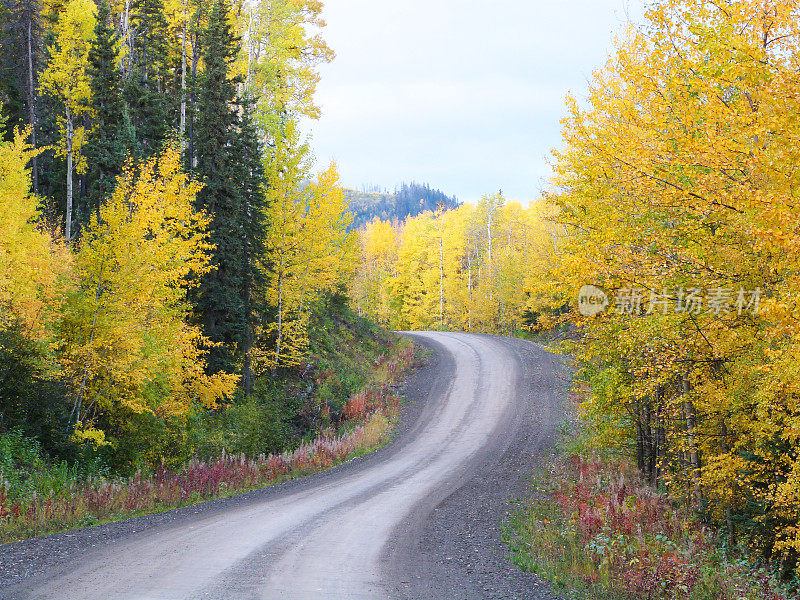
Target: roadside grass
x=595, y=528
x=49, y=503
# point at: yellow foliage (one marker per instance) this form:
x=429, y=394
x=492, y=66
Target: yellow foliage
x=309, y=252
x=126, y=341
x=474, y=268
x=66, y=76
x=31, y=260
x=282, y=55
x=95, y=437
x=680, y=171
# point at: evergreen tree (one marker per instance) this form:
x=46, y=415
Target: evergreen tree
x=248, y=153
x=228, y=163
x=112, y=137
x=20, y=57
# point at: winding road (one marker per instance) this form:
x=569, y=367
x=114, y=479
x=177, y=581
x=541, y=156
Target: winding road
x=417, y=519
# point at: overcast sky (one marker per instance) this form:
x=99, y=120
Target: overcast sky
x=465, y=96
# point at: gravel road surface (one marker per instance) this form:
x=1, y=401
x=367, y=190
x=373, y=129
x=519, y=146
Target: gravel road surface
x=418, y=519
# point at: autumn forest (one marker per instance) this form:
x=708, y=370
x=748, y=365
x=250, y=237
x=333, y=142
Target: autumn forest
x=180, y=283
x=166, y=247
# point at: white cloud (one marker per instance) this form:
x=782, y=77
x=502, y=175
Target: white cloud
x=464, y=95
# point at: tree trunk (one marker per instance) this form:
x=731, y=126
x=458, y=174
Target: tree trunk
x=183, y=90
x=249, y=48
x=661, y=447
x=639, y=442
x=728, y=513
x=469, y=290
x=128, y=35
x=279, y=338
x=441, y=277
x=489, y=242
x=694, y=455
x=247, y=374
x=192, y=159
x=68, y=228
x=649, y=442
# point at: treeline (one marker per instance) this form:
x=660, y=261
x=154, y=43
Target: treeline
x=471, y=268
x=164, y=243
x=677, y=183
x=409, y=200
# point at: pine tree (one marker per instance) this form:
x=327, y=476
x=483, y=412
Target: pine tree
x=112, y=137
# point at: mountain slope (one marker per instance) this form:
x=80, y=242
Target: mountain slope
x=409, y=199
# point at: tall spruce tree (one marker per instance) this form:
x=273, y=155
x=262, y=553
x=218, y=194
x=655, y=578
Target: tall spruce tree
x=228, y=163
x=112, y=136
x=248, y=152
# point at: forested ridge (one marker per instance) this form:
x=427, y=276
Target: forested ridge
x=407, y=200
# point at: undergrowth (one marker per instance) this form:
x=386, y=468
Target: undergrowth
x=595, y=528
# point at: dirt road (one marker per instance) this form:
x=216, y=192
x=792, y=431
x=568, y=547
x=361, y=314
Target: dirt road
x=418, y=519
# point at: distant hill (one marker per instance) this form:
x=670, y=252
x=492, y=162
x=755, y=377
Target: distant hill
x=408, y=200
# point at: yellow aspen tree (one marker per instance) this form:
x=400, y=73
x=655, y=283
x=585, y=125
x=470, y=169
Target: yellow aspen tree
x=416, y=286
x=308, y=248
x=31, y=260
x=327, y=250
x=179, y=14
x=679, y=173
x=126, y=341
x=282, y=57
x=433, y=272
x=371, y=286
x=66, y=78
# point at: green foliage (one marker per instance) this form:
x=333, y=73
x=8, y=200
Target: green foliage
x=112, y=137
x=229, y=164
x=144, y=89
x=30, y=397
x=260, y=424
x=26, y=471
x=346, y=346
x=300, y=401
x=143, y=441
x=20, y=460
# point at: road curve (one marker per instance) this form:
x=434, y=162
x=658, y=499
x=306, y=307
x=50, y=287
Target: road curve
x=361, y=531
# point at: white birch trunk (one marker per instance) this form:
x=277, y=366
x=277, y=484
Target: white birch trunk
x=70, y=135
